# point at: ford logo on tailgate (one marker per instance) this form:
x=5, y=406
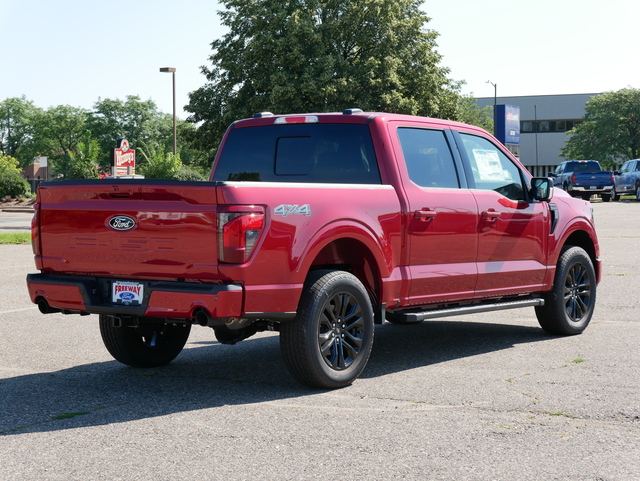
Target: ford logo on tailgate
x=122, y=222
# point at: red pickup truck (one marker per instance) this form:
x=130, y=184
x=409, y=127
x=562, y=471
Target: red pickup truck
x=317, y=226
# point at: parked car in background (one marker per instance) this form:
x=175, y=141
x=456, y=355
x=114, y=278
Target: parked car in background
x=583, y=178
x=627, y=180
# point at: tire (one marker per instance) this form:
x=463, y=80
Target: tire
x=637, y=192
x=569, y=305
x=614, y=195
x=606, y=197
x=328, y=344
x=147, y=345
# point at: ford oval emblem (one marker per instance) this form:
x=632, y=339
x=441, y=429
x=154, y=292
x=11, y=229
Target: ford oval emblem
x=122, y=223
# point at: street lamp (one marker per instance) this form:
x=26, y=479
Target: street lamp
x=495, y=102
x=172, y=70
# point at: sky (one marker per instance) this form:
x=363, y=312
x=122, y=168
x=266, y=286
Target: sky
x=74, y=52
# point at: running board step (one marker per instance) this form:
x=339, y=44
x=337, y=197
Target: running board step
x=415, y=316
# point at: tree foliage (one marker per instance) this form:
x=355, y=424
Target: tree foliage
x=16, y=125
x=81, y=162
x=137, y=120
x=78, y=142
x=56, y=133
x=158, y=164
x=610, y=129
x=469, y=113
x=322, y=55
x=11, y=181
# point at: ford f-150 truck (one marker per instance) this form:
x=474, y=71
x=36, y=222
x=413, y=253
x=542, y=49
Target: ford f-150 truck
x=627, y=180
x=318, y=226
x=583, y=178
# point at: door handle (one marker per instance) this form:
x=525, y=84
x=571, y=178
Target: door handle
x=491, y=215
x=425, y=214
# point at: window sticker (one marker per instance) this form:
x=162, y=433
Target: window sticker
x=489, y=166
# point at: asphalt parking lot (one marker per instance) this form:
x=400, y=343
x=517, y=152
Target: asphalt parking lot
x=483, y=397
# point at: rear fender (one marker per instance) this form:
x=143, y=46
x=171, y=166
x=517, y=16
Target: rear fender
x=352, y=245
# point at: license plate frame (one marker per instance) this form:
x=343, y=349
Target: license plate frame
x=128, y=293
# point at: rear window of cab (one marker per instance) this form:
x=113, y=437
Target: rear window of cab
x=310, y=153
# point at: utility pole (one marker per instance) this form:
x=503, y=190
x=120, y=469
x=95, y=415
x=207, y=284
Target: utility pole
x=172, y=70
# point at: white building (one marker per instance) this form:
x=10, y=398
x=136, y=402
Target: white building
x=544, y=123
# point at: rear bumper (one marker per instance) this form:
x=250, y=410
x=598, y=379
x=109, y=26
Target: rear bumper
x=598, y=190
x=176, y=300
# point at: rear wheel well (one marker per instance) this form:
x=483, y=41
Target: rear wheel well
x=352, y=256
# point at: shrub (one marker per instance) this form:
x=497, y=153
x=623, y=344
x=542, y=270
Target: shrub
x=188, y=172
x=11, y=181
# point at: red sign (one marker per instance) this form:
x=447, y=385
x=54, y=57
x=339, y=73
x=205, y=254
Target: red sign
x=124, y=159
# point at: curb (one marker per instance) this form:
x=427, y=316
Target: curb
x=21, y=210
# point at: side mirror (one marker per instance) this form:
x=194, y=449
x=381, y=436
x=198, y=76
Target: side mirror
x=541, y=189
x=551, y=174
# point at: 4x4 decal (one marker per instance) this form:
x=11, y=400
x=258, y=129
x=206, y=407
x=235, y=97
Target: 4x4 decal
x=284, y=210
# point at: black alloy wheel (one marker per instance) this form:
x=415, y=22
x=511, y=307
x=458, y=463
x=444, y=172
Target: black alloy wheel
x=328, y=344
x=570, y=304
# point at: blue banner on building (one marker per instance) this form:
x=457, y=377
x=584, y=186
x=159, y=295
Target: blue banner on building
x=507, y=119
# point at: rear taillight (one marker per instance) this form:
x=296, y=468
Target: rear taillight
x=573, y=178
x=238, y=233
x=35, y=232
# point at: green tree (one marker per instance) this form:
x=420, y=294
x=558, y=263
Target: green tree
x=56, y=132
x=80, y=163
x=315, y=55
x=157, y=163
x=469, y=113
x=609, y=131
x=194, y=155
x=137, y=120
x=11, y=181
x=16, y=127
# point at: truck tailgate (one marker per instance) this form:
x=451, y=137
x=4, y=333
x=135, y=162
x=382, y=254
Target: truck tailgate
x=131, y=230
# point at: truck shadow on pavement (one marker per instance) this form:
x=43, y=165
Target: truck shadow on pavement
x=208, y=375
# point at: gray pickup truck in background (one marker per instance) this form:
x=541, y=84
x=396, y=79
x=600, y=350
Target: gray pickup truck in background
x=583, y=178
x=627, y=180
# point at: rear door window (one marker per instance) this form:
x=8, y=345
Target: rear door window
x=428, y=158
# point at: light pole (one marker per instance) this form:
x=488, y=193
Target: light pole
x=495, y=102
x=173, y=74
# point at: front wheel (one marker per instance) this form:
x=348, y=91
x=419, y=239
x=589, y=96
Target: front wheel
x=328, y=344
x=145, y=345
x=569, y=305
